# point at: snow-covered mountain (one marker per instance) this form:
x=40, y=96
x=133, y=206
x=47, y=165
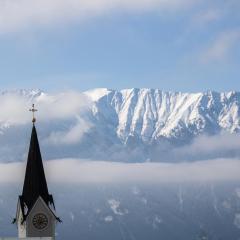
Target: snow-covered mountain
x=129, y=125
x=151, y=114
x=136, y=124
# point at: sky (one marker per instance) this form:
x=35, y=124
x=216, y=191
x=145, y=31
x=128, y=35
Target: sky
x=175, y=45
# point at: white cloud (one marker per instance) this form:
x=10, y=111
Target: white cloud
x=62, y=105
x=16, y=15
x=72, y=135
x=77, y=171
x=224, y=143
x=14, y=107
x=221, y=47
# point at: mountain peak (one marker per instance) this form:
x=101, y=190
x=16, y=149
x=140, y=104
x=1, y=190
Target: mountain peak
x=136, y=117
x=97, y=93
x=151, y=113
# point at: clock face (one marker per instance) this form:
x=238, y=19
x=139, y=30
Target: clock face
x=40, y=221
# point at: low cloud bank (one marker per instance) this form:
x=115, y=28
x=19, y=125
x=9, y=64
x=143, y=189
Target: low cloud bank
x=223, y=145
x=81, y=171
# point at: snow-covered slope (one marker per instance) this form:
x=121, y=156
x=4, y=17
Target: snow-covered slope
x=150, y=114
x=125, y=125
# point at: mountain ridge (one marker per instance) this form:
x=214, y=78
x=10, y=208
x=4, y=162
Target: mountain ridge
x=114, y=124
x=153, y=108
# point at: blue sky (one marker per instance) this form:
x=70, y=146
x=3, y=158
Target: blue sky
x=178, y=45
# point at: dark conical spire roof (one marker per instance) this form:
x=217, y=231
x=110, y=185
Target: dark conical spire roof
x=35, y=184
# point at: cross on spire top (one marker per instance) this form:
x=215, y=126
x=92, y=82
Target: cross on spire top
x=33, y=110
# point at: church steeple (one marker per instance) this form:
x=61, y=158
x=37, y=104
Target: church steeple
x=35, y=211
x=35, y=183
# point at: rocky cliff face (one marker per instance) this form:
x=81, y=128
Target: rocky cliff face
x=125, y=125
x=151, y=114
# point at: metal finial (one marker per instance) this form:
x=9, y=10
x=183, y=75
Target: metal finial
x=33, y=110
